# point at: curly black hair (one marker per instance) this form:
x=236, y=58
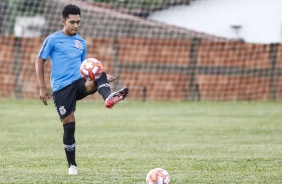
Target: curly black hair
x=70, y=10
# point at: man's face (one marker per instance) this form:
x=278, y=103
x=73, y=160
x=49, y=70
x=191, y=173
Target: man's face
x=71, y=25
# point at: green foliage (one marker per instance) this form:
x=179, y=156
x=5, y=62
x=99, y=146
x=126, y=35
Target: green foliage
x=194, y=142
x=27, y=7
x=17, y=8
x=132, y=4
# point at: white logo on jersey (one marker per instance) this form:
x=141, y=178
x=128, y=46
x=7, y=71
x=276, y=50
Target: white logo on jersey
x=62, y=110
x=78, y=44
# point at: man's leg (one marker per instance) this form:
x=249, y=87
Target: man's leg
x=69, y=142
x=104, y=89
x=65, y=102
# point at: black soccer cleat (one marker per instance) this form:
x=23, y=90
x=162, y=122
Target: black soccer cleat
x=116, y=97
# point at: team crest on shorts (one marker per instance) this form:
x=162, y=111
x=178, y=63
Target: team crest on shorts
x=62, y=110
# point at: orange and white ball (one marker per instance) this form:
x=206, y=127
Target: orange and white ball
x=158, y=176
x=91, y=69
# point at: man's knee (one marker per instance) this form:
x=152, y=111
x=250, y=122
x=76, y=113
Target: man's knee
x=90, y=87
x=68, y=119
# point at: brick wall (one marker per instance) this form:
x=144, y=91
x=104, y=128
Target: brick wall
x=159, y=69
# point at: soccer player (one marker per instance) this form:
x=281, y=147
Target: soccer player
x=67, y=50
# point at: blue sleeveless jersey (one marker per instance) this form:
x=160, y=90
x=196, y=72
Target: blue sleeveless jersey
x=66, y=55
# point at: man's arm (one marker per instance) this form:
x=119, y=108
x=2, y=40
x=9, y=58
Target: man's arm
x=39, y=67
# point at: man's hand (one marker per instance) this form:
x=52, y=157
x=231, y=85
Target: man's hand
x=111, y=78
x=44, y=95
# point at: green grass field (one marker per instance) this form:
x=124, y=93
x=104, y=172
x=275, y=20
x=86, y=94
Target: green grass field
x=196, y=142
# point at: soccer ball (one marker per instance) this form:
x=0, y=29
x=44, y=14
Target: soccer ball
x=158, y=176
x=91, y=69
